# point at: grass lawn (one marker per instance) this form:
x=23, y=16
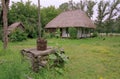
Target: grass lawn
x=91, y=58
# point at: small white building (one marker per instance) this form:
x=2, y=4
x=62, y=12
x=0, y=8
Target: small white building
x=73, y=18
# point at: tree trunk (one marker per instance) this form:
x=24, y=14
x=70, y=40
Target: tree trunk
x=5, y=4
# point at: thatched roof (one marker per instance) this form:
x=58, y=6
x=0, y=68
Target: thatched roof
x=74, y=18
x=14, y=26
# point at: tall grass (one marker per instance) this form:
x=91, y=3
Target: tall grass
x=11, y=65
x=92, y=58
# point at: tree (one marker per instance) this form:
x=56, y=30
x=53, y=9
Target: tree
x=48, y=13
x=81, y=5
x=106, y=14
x=113, y=9
x=113, y=12
x=117, y=25
x=5, y=6
x=64, y=6
x=68, y=6
x=27, y=14
x=102, y=13
x=90, y=5
x=86, y=6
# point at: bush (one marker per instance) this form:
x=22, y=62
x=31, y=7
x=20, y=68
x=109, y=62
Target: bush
x=73, y=33
x=31, y=33
x=58, y=59
x=17, y=35
x=95, y=34
x=47, y=35
x=57, y=33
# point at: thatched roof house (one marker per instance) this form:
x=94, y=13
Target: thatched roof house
x=14, y=26
x=73, y=18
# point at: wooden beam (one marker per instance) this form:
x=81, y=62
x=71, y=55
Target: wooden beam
x=39, y=20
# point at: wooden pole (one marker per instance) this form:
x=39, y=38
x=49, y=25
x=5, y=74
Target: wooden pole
x=41, y=43
x=39, y=20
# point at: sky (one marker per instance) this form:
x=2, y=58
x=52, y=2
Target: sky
x=46, y=3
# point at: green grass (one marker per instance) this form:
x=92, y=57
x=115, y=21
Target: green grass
x=91, y=58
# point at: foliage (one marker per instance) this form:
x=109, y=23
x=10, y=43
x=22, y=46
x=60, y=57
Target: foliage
x=58, y=59
x=102, y=13
x=46, y=35
x=57, y=33
x=73, y=33
x=81, y=5
x=90, y=6
x=48, y=13
x=64, y=7
x=95, y=34
x=17, y=35
x=84, y=5
x=116, y=25
x=106, y=12
x=25, y=13
x=52, y=34
x=11, y=66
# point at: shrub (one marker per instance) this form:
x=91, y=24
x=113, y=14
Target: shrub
x=58, y=59
x=17, y=35
x=95, y=34
x=47, y=35
x=52, y=35
x=73, y=33
x=31, y=33
x=57, y=33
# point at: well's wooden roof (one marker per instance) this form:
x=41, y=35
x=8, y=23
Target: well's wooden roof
x=74, y=18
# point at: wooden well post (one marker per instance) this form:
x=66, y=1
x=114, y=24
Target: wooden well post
x=41, y=43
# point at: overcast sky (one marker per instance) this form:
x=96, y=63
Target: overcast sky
x=56, y=3
x=46, y=3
